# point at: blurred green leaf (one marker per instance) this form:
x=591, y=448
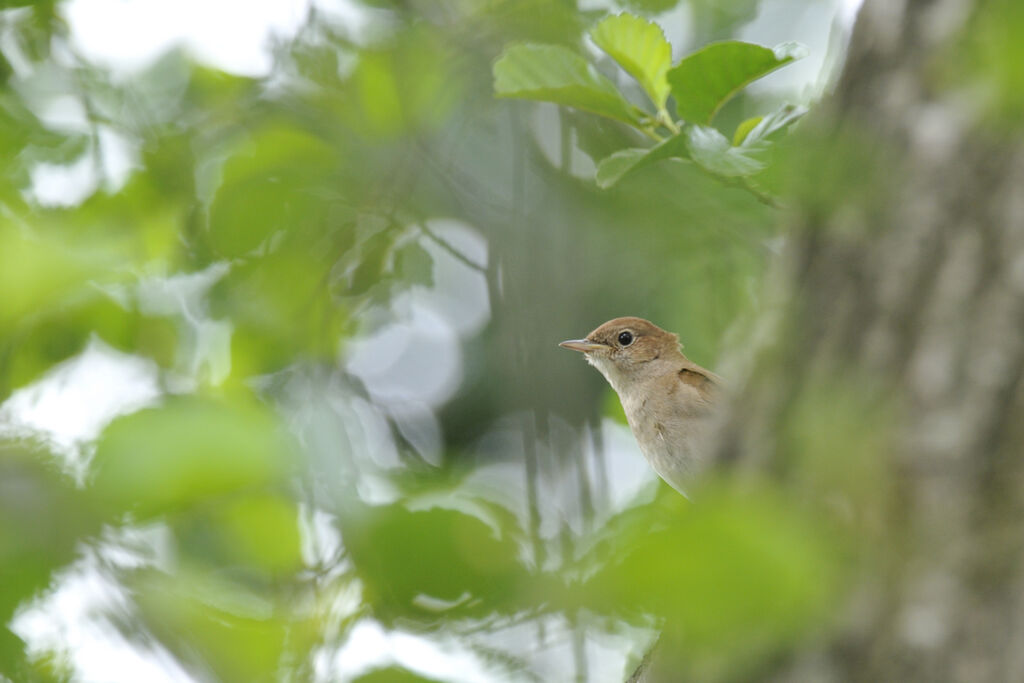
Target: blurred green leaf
x=705, y=80
x=218, y=625
x=733, y=569
x=161, y=460
x=274, y=324
x=269, y=185
x=404, y=87
x=415, y=264
x=716, y=19
x=431, y=562
x=37, y=273
x=639, y=46
x=989, y=63
x=552, y=73
x=393, y=674
x=262, y=530
x=649, y=6
x=63, y=332
x=43, y=520
x=612, y=169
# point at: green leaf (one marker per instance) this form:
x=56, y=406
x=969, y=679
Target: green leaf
x=552, y=73
x=639, y=46
x=712, y=152
x=613, y=168
x=761, y=129
x=744, y=129
x=705, y=80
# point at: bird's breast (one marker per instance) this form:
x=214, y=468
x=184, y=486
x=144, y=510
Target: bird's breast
x=669, y=435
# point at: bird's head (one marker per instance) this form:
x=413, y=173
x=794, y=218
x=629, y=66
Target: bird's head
x=627, y=350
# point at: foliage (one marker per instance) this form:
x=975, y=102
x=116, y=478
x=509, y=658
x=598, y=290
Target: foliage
x=701, y=83
x=262, y=496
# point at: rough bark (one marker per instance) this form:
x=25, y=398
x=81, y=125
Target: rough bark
x=914, y=281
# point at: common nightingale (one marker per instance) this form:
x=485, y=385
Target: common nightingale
x=668, y=399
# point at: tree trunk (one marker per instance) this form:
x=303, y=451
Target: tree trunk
x=904, y=288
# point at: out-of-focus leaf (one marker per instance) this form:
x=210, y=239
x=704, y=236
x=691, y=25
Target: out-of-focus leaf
x=730, y=570
x=255, y=533
x=649, y=6
x=38, y=273
x=405, y=87
x=715, y=19
x=415, y=264
x=65, y=331
x=612, y=169
x=282, y=308
x=43, y=519
x=711, y=150
x=552, y=73
x=429, y=562
x=392, y=674
x=705, y=80
x=639, y=46
x=218, y=625
x=989, y=63
x=270, y=184
x=163, y=459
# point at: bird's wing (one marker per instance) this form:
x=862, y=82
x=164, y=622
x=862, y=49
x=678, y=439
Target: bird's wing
x=707, y=383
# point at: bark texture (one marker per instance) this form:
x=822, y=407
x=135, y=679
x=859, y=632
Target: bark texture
x=912, y=281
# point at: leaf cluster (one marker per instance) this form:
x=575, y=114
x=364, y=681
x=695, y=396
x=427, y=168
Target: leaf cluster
x=699, y=84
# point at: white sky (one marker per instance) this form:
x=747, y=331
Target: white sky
x=232, y=34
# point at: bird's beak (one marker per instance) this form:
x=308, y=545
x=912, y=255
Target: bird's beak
x=582, y=345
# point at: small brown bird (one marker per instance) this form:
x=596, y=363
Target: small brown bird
x=668, y=399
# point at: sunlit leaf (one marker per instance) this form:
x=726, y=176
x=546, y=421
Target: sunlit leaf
x=639, y=46
x=705, y=80
x=552, y=73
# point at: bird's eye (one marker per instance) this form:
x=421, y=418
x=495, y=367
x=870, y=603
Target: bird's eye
x=625, y=338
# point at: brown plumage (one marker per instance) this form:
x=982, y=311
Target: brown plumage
x=668, y=399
